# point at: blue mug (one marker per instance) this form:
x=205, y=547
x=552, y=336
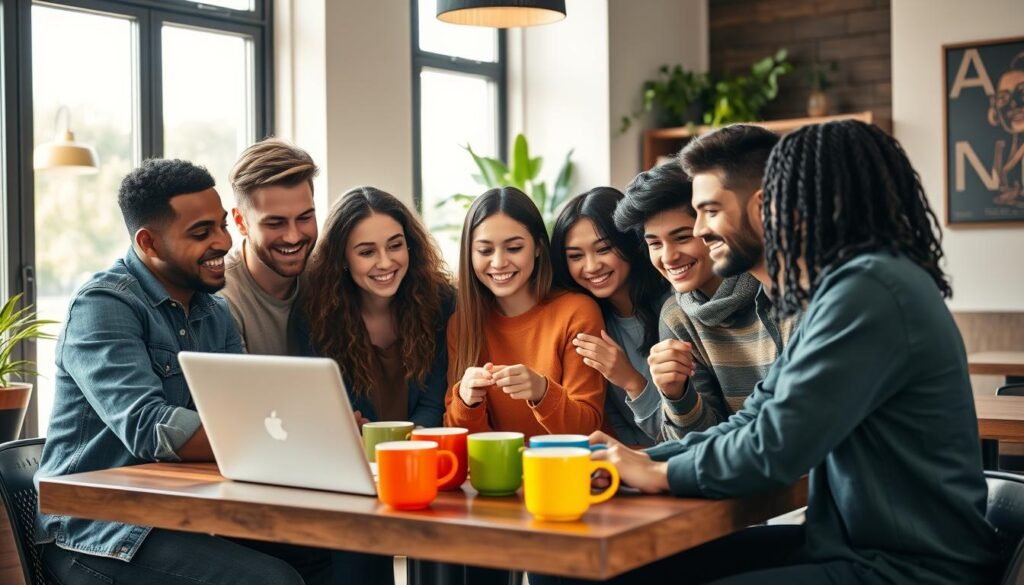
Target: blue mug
x=582, y=441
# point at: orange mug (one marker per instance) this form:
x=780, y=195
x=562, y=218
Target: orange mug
x=448, y=439
x=407, y=473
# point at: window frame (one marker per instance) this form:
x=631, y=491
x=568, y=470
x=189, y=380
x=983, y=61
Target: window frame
x=150, y=15
x=496, y=72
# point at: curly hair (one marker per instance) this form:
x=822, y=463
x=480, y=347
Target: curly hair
x=654, y=191
x=331, y=299
x=145, y=193
x=646, y=287
x=837, y=190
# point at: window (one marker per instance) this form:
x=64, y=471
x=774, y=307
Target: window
x=458, y=100
x=185, y=81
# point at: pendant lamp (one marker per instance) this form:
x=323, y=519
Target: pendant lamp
x=64, y=155
x=501, y=13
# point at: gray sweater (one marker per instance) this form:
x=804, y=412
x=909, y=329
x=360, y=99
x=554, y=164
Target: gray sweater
x=871, y=397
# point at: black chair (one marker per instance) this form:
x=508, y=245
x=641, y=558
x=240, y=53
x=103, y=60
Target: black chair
x=1014, y=463
x=19, y=461
x=1005, y=511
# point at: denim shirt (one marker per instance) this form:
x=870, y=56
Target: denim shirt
x=120, y=396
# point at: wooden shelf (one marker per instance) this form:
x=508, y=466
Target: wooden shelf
x=661, y=142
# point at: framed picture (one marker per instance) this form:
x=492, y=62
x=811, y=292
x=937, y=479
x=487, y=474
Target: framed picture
x=983, y=118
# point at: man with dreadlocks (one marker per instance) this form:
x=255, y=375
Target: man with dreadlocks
x=871, y=396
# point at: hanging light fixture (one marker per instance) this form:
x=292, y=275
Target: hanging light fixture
x=64, y=154
x=501, y=13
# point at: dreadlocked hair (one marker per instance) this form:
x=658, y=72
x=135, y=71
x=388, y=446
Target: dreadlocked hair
x=834, y=191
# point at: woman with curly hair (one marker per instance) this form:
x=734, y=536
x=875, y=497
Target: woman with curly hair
x=377, y=301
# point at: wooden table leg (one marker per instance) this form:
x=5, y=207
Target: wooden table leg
x=990, y=454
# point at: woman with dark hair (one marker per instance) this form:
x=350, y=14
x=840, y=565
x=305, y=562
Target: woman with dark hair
x=872, y=396
x=377, y=301
x=590, y=255
x=513, y=365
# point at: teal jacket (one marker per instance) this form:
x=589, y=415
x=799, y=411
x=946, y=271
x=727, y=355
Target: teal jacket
x=872, y=397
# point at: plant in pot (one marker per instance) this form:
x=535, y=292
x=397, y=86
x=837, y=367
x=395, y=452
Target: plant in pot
x=742, y=98
x=819, y=76
x=678, y=96
x=16, y=327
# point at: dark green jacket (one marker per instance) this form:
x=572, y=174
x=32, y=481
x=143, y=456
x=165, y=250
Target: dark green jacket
x=872, y=397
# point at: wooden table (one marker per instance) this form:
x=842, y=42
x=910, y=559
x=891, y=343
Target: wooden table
x=997, y=363
x=625, y=533
x=1000, y=417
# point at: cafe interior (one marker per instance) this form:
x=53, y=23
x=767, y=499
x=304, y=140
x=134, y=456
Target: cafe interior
x=418, y=98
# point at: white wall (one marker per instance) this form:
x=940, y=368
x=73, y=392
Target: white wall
x=564, y=79
x=986, y=265
x=344, y=91
x=643, y=36
x=344, y=85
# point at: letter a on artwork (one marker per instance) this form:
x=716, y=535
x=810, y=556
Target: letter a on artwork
x=971, y=58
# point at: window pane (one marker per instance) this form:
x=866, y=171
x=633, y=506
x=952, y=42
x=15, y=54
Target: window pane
x=455, y=110
x=79, y=229
x=232, y=4
x=208, y=93
x=468, y=42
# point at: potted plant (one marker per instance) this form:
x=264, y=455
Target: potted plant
x=819, y=75
x=16, y=327
x=677, y=95
x=521, y=172
x=742, y=98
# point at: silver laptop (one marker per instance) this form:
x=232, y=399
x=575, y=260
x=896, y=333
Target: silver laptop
x=279, y=420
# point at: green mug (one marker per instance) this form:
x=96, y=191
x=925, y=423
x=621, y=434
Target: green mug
x=383, y=432
x=496, y=463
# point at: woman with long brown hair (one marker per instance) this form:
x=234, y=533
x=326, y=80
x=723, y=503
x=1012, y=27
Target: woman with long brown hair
x=377, y=300
x=511, y=335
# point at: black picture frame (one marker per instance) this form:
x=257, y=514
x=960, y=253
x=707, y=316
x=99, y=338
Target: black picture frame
x=983, y=131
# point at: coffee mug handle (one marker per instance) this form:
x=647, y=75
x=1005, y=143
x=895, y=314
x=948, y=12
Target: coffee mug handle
x=455, y=467
x=610, y=491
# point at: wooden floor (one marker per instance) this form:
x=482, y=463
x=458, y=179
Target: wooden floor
x=10, y=566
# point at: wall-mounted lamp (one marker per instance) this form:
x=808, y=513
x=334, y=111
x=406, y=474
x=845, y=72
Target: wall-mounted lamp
x=501, y=13
x=64, y=155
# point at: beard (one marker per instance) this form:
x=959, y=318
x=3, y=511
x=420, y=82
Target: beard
x=744, y=251
x=266, y=257
x=186, y=280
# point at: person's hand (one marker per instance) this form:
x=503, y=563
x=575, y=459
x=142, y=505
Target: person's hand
x=608, y=358
x=360, y=420
x=635, y=467
x=671, y=364
x=520, y=382
x=474, y=384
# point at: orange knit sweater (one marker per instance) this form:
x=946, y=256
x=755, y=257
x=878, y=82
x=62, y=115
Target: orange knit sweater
x=540, y=339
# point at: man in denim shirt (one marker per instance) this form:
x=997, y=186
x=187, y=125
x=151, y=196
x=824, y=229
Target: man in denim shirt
x=121, y=398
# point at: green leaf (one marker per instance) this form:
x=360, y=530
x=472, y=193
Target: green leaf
x=492, y=170
x=520, y=166
x=563, y=182
x=536, y=163
x=456, y=198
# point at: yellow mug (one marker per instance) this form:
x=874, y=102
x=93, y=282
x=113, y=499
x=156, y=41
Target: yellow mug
x=556, y=482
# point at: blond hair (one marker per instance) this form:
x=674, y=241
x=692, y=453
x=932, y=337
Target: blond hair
x=267, y=163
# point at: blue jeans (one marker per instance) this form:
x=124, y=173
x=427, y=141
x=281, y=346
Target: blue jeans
x=182, y=558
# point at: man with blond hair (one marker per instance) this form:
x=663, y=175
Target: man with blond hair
x=274, y=212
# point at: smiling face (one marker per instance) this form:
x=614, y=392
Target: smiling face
x=681, y=258
x=191, y=246
x=377, y=255
x=593, y=263
x=279, y=224
x=504, y=255
x=726, y=223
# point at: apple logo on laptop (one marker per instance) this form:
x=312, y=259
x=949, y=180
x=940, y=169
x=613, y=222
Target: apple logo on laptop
x=274, y=427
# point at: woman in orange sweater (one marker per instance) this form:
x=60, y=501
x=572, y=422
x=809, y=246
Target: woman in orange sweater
x=513, y=366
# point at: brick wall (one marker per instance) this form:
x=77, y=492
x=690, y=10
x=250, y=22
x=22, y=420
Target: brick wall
x=853, y=33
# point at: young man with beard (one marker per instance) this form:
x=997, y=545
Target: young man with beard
x=121, y=398
x=273, y=185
